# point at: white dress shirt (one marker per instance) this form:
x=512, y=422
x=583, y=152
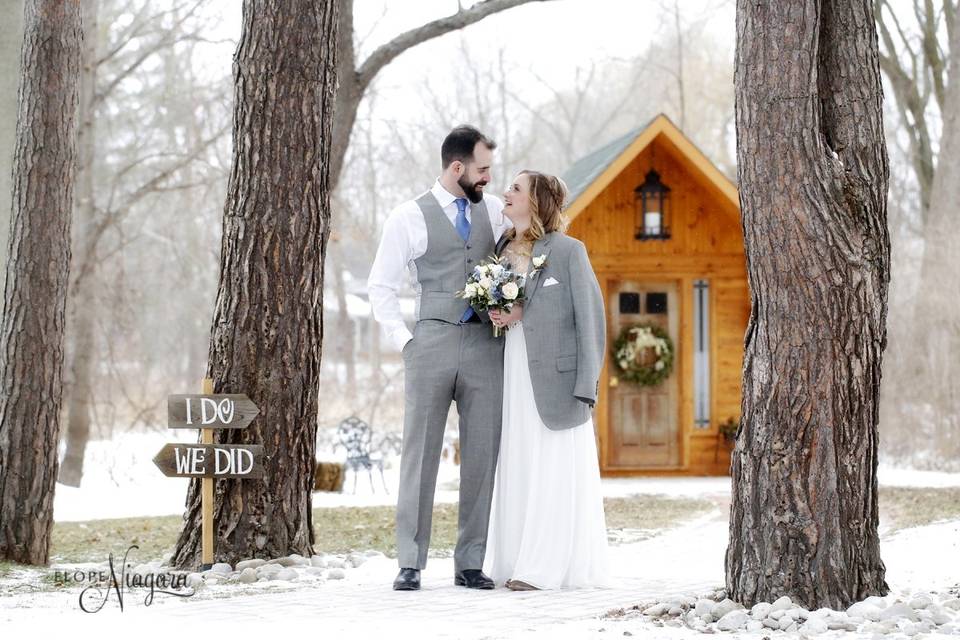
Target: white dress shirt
x=404, y=240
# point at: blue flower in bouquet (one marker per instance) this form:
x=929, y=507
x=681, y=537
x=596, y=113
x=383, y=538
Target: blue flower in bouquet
x=493, y=285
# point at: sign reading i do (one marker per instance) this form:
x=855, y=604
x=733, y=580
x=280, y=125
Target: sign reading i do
x=208, y=411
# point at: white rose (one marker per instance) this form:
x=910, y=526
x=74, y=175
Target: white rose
x=539, y=260
x=659, y=365
x=510, y=290
x=485, y=283
x=484, y=269
x=470, y=290
x=496, y=270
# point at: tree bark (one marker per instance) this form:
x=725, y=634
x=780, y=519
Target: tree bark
x=267, y=326
x=813, y=177
x=78, y=389
x=37, y=277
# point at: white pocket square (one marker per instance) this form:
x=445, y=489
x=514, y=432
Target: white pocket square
x=550, y=281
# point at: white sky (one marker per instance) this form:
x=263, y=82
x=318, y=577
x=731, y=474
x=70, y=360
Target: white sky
x=552, y=37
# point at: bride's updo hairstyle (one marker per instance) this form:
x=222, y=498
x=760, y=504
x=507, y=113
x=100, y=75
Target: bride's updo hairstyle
x=547, y=197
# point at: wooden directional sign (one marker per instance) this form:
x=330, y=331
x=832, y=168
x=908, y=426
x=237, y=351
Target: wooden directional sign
x=210, y=411
x=185, y=460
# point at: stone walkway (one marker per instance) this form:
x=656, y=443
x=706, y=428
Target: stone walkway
x=368, y=604
x=363, y=604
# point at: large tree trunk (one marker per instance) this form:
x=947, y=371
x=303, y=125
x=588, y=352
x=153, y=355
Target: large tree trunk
x=79, y=386
x=267, y=326
x=37, y=277
x=813, y=179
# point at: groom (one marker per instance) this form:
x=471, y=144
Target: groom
x=451, y=355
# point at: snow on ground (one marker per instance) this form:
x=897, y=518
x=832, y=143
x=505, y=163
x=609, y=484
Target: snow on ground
x=923, y=558
x=895, y=477
x=121, y=481
x=687, y=560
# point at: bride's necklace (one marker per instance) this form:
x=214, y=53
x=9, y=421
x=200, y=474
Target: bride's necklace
x=517, y=247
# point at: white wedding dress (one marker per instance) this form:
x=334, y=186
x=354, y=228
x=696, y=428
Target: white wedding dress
x=547, y=526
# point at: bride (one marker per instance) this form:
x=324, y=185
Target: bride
x=547, y=528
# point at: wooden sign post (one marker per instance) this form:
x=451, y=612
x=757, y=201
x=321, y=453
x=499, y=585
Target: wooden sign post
x=208, y=461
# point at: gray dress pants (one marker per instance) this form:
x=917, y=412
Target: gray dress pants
x=447, y=362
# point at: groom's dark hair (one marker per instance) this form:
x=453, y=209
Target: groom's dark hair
x=460, y=143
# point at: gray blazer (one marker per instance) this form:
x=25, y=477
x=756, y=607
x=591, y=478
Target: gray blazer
x=564, y=327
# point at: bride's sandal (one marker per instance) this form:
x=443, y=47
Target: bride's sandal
x=520, y=585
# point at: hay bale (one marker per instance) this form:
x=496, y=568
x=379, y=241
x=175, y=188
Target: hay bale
x=329, y=476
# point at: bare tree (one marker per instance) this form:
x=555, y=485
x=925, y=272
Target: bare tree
x=921, y=403
x=80, y=307
x=917, y=69
x=356, y=76
x=38, y=266
x=938, y=300
x=803, y=515
x=267, y=327
x=116, y=188
x=11, y=37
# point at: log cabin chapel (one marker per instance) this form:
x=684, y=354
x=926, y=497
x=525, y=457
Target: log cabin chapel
x=661, y=224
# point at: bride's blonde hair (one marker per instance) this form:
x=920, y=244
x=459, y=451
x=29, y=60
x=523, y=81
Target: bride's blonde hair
x=547, y=197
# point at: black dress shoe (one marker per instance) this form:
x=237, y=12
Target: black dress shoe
x=472, y=578
x=407, y=580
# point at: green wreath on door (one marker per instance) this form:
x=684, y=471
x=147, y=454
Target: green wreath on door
x=632, y=353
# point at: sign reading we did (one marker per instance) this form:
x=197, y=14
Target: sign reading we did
x=206, y=460
x=210, y=411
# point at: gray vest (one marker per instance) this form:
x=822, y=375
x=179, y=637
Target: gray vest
x=443, y=269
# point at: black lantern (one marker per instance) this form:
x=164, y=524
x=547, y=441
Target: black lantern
x=652, y=200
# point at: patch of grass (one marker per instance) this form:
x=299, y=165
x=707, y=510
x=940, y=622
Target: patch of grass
x=643, y=511
x=94, y=540
x=907, y=507
x=344, y=529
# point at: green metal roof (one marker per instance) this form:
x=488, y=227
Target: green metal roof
x=588, y=168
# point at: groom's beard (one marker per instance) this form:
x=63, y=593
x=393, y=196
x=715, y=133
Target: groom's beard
x=470, y=190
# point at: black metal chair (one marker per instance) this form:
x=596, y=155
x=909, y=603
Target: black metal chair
x=355, y=436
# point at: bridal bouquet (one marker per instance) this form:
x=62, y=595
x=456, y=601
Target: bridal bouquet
x=493, y=285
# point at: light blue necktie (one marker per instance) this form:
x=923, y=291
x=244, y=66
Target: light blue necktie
x=463, y=225
x=463, y=228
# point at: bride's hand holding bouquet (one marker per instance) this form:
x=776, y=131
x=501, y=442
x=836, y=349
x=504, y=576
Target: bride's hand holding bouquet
x=493, y=286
